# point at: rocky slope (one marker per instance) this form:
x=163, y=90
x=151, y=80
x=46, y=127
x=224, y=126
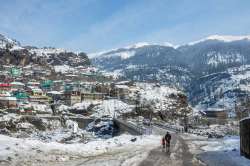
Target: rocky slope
x=12, y=52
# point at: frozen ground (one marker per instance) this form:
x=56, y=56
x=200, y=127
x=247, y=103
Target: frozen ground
x=36, y=128
x=115, y=151
x=124, y=150
x=216, y=131
x=216, y=152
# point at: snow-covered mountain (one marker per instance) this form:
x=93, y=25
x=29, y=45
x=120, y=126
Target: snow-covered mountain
x=145, y=62
x=12, y=52
x=195, y=67
x=5, y=41
x=224, y=38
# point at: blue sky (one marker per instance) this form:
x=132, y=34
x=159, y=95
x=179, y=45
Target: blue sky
x=96, y=25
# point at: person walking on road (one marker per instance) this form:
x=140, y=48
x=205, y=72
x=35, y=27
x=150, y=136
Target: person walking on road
x=163, y=143
x=167, y=141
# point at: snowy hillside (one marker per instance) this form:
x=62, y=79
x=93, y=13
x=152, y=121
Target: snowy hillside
x=222, y=90
x=12, y=52
x=15, y=45
x=192, y=67
x=144, y=63
x=111, y=108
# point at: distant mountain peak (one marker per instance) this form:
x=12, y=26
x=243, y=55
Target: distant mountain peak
x=4, y=40
x=137, y=45
x=224, y=38
x=134, y=46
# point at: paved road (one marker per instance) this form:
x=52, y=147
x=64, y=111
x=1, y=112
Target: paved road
x=137, y=155
x=178, y=156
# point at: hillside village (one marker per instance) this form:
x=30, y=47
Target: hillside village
x=124, y=83
x=59, y=97
x=30, y=91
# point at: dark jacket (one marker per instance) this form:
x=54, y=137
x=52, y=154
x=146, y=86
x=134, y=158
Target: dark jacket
x=168, y=137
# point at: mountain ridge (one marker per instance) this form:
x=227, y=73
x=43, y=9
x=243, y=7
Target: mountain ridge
x=189, y=67
x=12, y=52
x=223, y=38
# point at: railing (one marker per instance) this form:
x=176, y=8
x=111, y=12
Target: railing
x=142, y=130
x=169, y=127
x=132, y=127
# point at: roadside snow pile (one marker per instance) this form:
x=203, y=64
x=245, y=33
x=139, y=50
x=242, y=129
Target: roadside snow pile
x=223, y=151
x=24, y=152
x=225, y=144
x=111, y=108
x=215, y=131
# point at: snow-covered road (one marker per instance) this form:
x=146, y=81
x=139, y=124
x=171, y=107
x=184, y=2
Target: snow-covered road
x=124, y=150
x=145, y=155
x=216, y=152
x=179, y=155
x=124, y=157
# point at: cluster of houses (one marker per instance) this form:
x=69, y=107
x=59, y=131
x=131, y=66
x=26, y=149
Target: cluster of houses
x=18, y=96
x=22, y=87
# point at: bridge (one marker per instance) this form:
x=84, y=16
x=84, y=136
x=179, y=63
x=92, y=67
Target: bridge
x=136, y=129
x=124, y=126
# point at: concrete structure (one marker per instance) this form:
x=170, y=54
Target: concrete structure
x=121, y=91
x=132, y=129
x=34, y=84
x=216, y=113
x=92, y=96
x=245, y=137
x=39, y=99
x=55, y=95
x=58, y=85
x=8, y=102
x=17, y=85
x=5, y=87
x=72, y=97
x=34, y=90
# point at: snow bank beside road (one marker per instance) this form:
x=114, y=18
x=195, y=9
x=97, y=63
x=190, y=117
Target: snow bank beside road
x=23, y=151
x=224, y=151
